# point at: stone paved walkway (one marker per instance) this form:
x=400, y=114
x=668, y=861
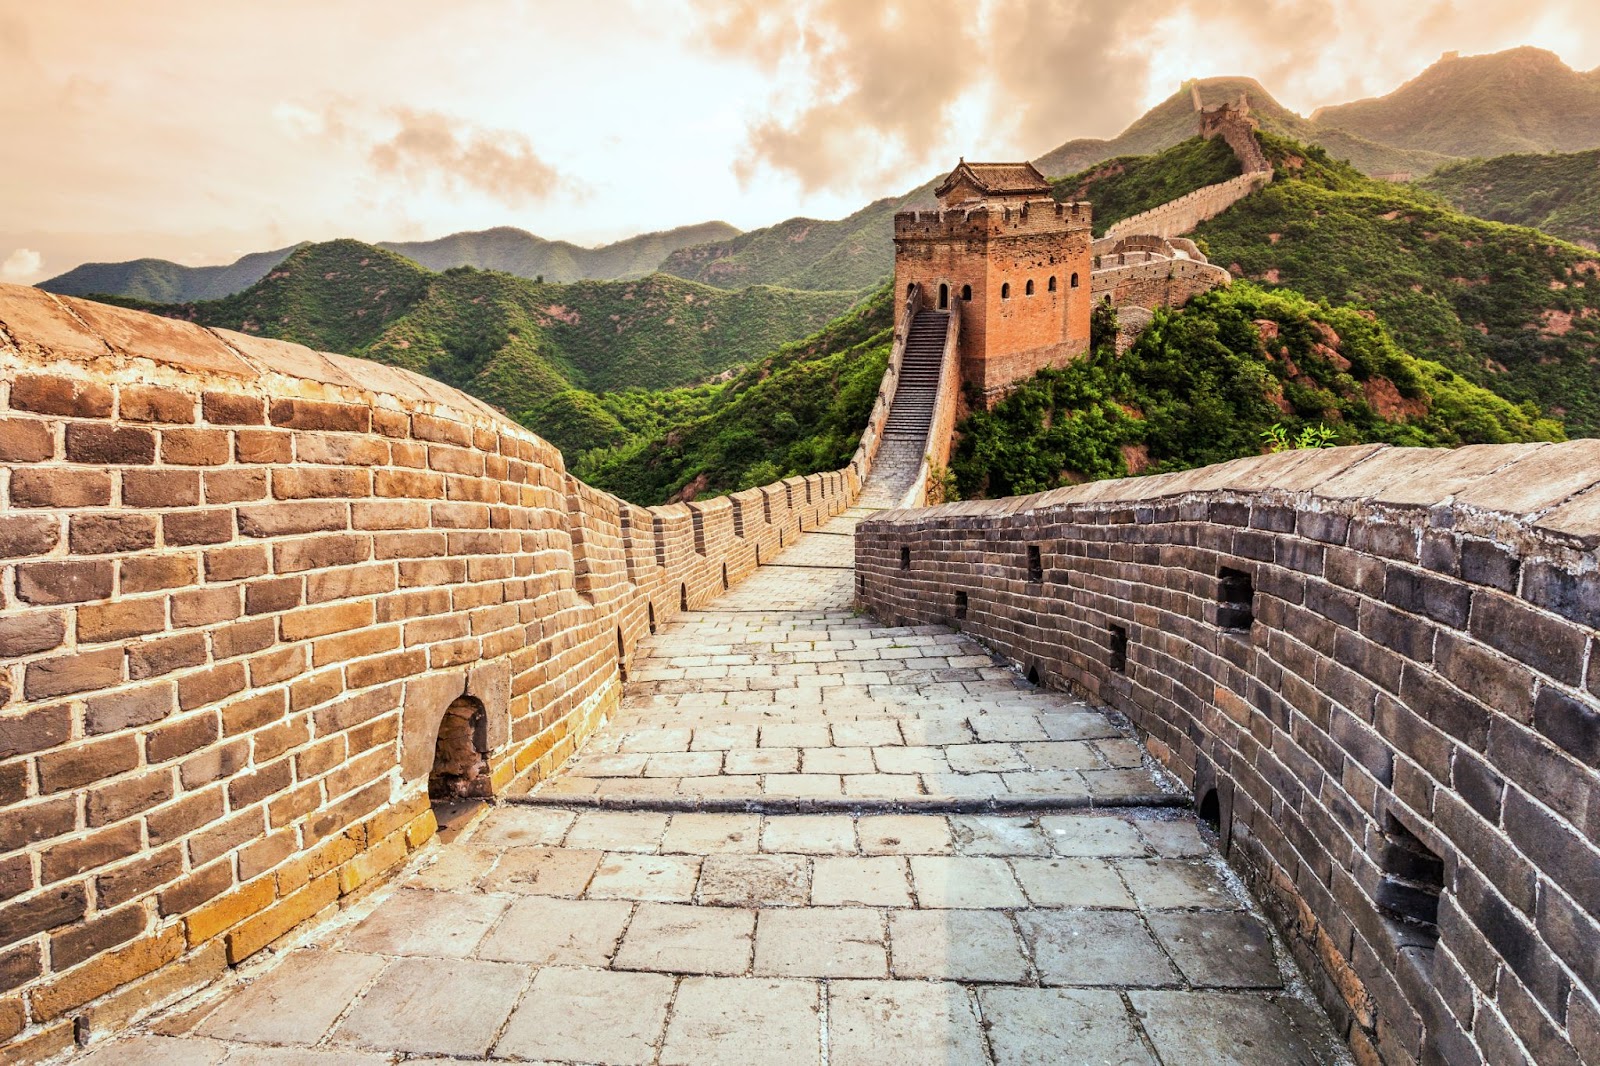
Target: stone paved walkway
x=676, y=899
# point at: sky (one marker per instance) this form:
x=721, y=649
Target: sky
x=200, y=130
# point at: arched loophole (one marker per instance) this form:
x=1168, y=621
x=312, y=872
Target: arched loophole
x=650, y=614
x=1028, y=289
x=966, y=292
x=1119, y=648
x=1210, y=810
x=459, y=782
x=1052, y=283
x=683, y=597
x=724, y=577
x=758, y=554
x=622, y=655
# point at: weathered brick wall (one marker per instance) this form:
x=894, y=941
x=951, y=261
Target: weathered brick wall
x=1157, y=283
x=1186, y=212
x=1362, y=660
x=240, y=583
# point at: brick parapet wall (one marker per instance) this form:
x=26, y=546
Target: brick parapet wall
x=1182, y=215
x=240, y=583
x=1157, y=282
x=1422, y=659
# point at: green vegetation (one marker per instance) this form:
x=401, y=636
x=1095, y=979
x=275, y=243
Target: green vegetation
x=1507, y=307
x=804, y=253
x=798, y=411
x=161, y=281
x=1519, y=100
x=1203, y=385
x=1125, y=186
x=504, y=248
x=1172, y=122
x=515, y=251
x=1557, y=193
x=538, y=351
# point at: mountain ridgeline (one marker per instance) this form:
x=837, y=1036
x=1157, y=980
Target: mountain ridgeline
x=512, y=342
x=1523, y=100
x=503, y=248
x=1555, y=192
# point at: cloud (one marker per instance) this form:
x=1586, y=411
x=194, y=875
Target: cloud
x=23, y=266
x=864, y=92
x=430, y=146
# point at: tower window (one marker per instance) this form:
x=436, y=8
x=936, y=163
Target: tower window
x=1005, y=291
x=1074, y=281
x=1028, y=291
x=966, y=292
x=1052, y=283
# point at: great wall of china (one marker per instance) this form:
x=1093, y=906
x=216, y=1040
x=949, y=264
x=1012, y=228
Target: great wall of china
x=255, y=599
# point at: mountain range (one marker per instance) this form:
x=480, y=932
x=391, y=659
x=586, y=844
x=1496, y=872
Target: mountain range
x=503, y=248
x=1522, y=100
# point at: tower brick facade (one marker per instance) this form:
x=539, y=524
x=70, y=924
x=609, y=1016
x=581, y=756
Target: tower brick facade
x=1011, y=262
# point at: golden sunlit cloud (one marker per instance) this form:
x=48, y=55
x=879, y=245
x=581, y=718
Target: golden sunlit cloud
x=193, y=130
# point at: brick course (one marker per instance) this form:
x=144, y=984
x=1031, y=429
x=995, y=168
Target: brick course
x=240, y=583
x=1379, y=681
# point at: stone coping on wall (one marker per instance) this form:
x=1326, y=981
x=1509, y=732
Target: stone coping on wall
x=1379, y=671
x=241, y=585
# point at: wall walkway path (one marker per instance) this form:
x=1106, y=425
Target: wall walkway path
x=805, y=837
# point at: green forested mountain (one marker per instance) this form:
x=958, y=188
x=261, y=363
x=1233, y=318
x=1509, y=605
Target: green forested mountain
x=512, y=342
x=1556, y=192
x=1203, y=385
x=1511, y=308
x=515, y=251
x=504, y=248
x=1173, y=121
x=161, y=281
x=805, y=253
x=1519, y=100
x=798, y=411
x=1128, y=185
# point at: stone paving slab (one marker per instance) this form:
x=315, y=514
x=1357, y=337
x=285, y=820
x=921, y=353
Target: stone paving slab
x=665, y=902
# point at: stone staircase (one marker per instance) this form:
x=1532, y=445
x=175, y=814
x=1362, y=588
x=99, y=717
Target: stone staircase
x=905, y=433
x=914, y=397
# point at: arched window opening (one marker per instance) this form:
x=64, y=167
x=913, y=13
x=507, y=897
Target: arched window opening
x=1074, y=282
x=966, y=292
x=1052, y=283
x=1028, y=290
x=1211, y=810
x=944, y=297
x=1005, y=291
x=458, y=783
x=911, y=288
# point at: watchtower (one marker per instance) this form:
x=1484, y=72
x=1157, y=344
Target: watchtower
x=1010, y=261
